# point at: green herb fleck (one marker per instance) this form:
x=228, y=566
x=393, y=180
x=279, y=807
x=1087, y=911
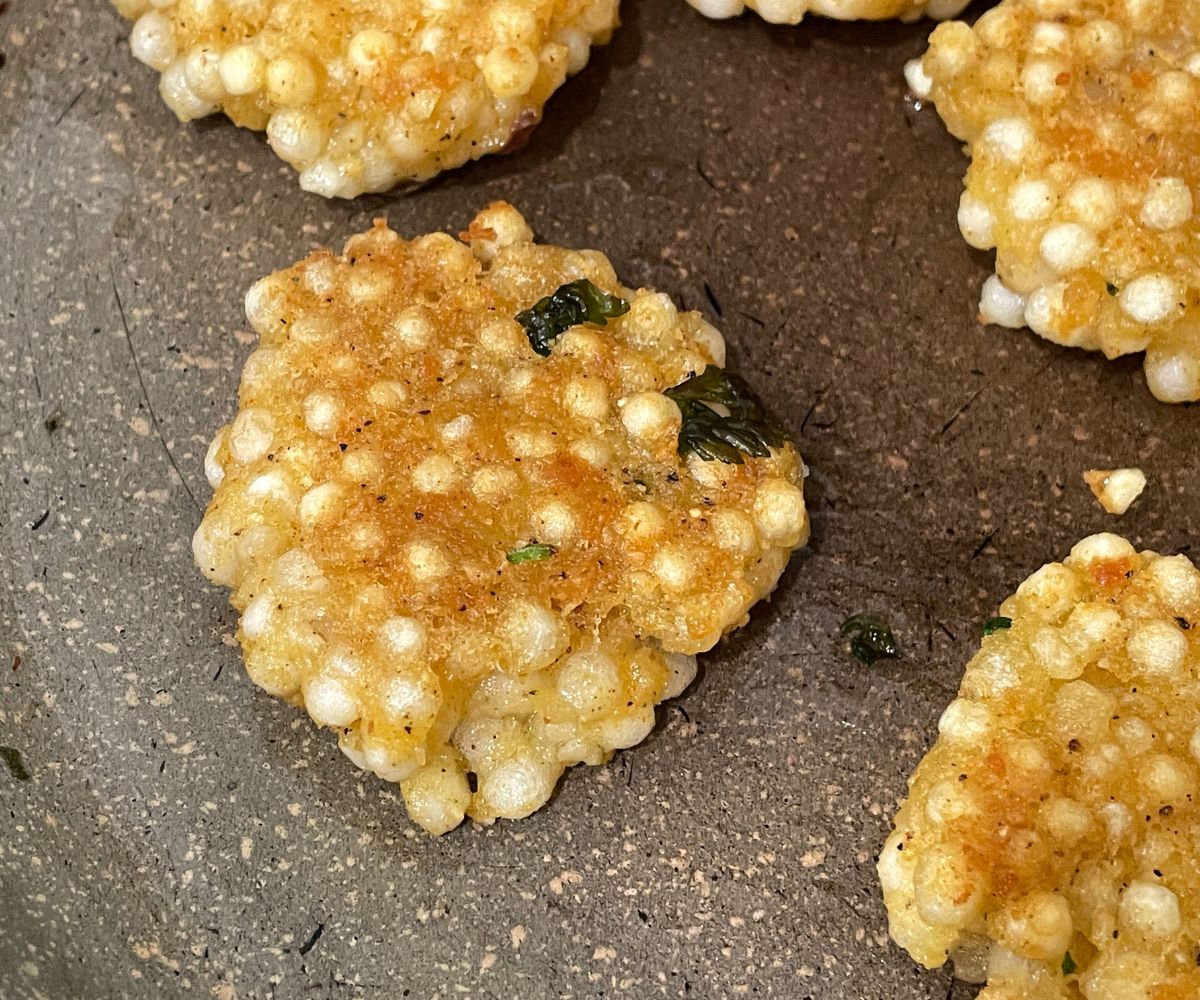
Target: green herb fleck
x=531, y=553
x=711, y=435
x=16, y=764
x=997, y=624
x=1068, y=965
x=870, y=638
x=572, y=304
x=1112, y=290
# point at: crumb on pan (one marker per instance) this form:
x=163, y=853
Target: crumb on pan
x=362, y=97
x=793, y=11
x=1080, y=123
x=1115, y=489
x=476, y=564
x=1048, y=844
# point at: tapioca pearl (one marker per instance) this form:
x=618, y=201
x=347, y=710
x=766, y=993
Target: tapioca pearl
x=367, y=539
x=152, y=40
x=1177, y=583
x=370, y=48
x=965, y=721
x=946, y=888
x=296, y=570
x=1101, y=41
x=1008, y=138
x=675, y=567
x=512, y=23
x=976, y=221
x=1157, y=648
x=1080, y=710
x=710, y=342
x=202, y=71
x=648, y=416
x=458, y=429
x=215, y=554
x=493, y=482
x=583, y=344
x=243, y=70
x=1068, y=246
x=595, y=451
x=681, y=669
x=1174, y=90
x=626, y=728
x=535, y=636
x=528, y=443
x=479, y=737
x=1038, y=925
x=363, y=466
x=178, y=94
x=251, y=435
x=256, y=618
x=1090, y=628
x=1045, y=310
x=329, y=701
x=779, y=512
x=297, y=136
x=437, y=795
x=1173, y=376
x=1066, y=820
x=388, y=762
x=1166, y=779
x=322, y=412
x=1031, y=200
x=1000, y=305
x=733, y=531
x=518, y=787
x=1167, y=204
x=414, y=697
x=1054, y=655
x=426, y=562
x=312, y=331
x=509, y=70
x=953, y=47
x=517, y=381
x=387, y=394
x=948, y=801
x=368, y=285
x=259, y=544
x=435, y=474
x=1103, y=546
x=214, y=471
x=321, y=503
x=290, y=81
x=1049, y=38
x=642, y=521
x=587, y=398
x=1150, y=299
x=920, y=84
x=590, y=681
x=504, y=338
x=402, y=639
x=555, y=522
x=1093, y=201
x=1149, y=909
x=650, y=321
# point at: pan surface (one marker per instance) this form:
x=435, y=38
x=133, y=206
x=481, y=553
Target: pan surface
x=184, y=834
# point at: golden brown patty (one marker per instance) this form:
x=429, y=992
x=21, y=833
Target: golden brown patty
x=1079, y=117
x=359, y=97
x=1049, y=840
x=468, y=558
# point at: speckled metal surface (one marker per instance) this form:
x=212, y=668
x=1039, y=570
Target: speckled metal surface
x=185, y=834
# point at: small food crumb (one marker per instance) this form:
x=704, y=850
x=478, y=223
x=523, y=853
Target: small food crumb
x=1116, y=489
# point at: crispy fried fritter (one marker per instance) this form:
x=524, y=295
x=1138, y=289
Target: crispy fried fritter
x=1048, y=844
x=362, y=96
x=1085, y=155
x=474, y=563
x=792, y=11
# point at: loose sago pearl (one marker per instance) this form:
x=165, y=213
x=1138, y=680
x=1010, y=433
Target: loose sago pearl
x=1000, y=305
